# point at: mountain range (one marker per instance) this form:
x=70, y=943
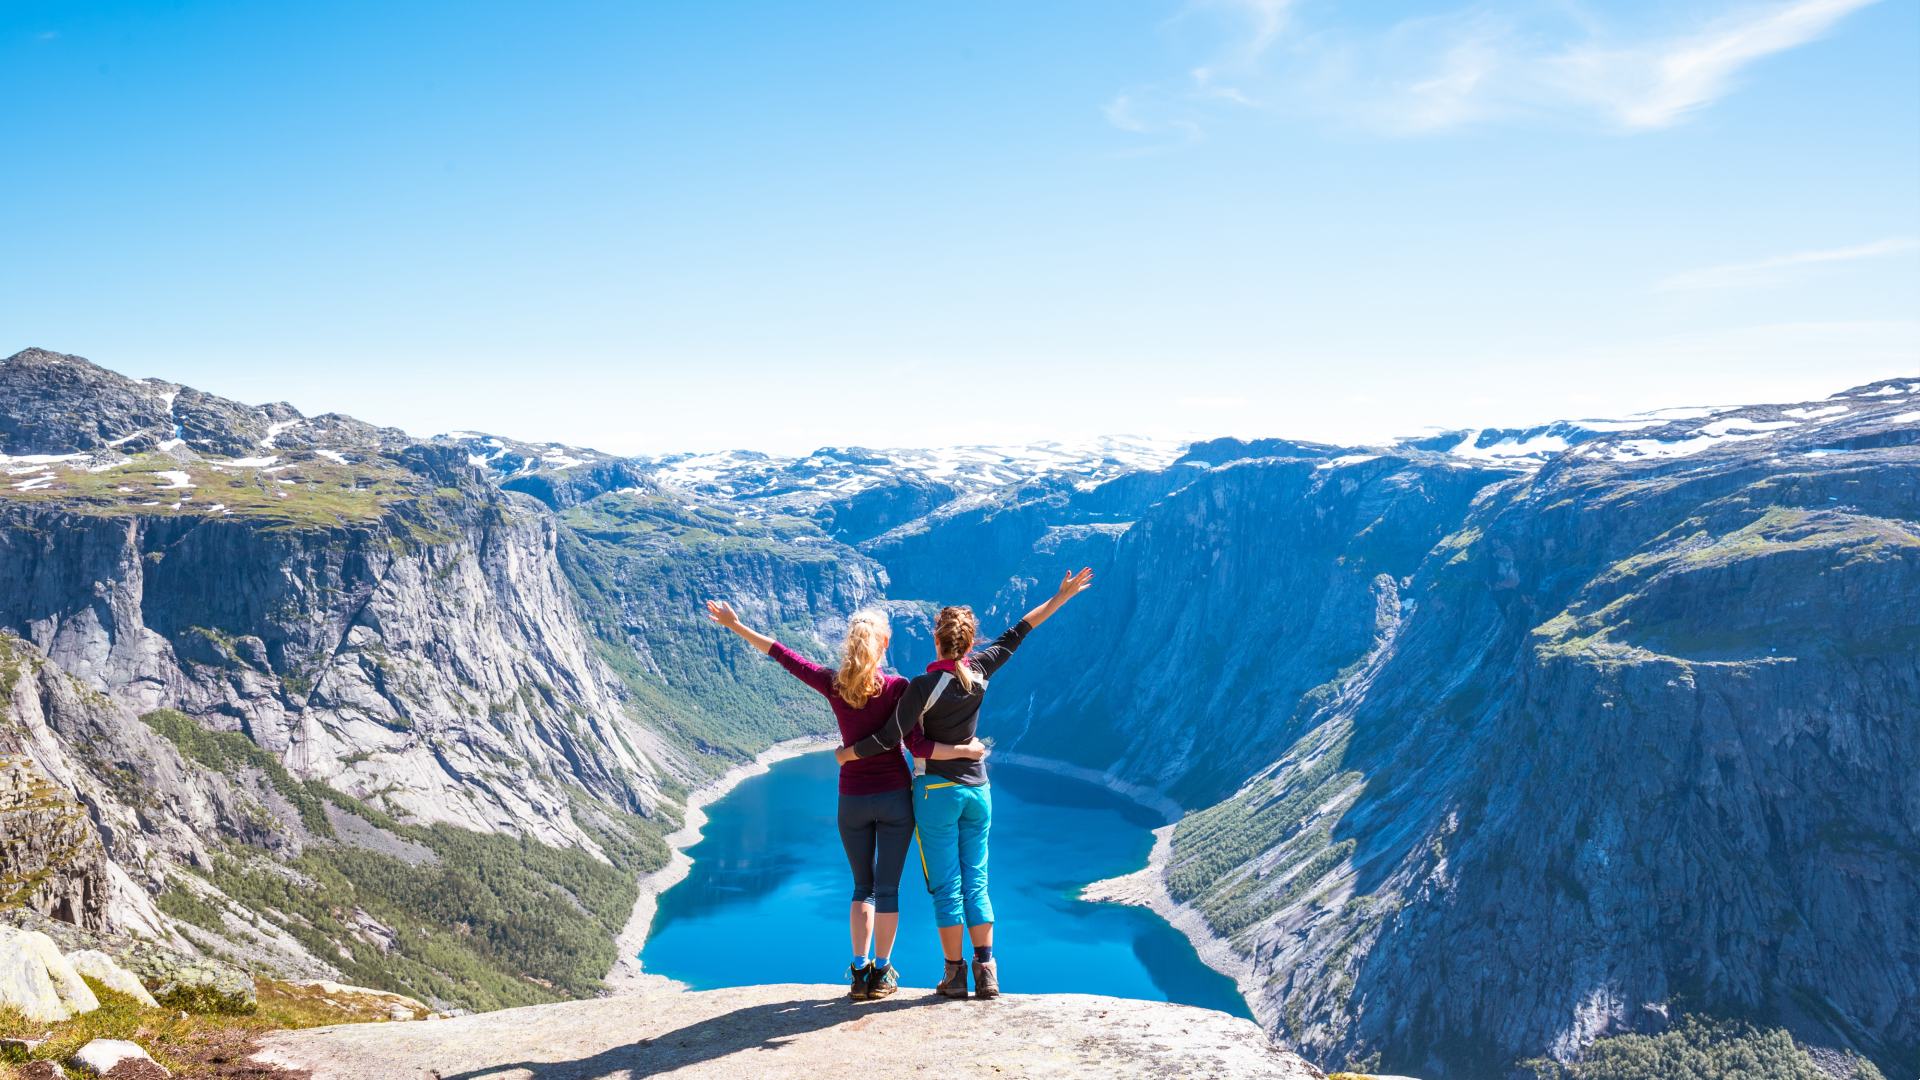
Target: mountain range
x=1493, y=743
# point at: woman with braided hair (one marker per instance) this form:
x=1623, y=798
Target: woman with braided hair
x=952, y=803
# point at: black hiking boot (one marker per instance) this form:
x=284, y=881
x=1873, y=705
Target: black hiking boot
x=954, y=983
x=859, y=975
x=986, y=979
x=882, y=981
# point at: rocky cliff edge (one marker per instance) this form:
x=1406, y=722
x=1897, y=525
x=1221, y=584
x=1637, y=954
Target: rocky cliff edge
x=796, y=1030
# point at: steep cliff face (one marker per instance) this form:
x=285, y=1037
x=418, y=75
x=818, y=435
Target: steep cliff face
x=1515, y=739
x=1632, y=747
x=317, y=685
x=1219, y=612
x=646, y=562
x=439, y=663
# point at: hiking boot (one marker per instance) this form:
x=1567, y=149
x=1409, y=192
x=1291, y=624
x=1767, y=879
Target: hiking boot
x=986, y=979
x=859, y=976
x=882, y=981
x=954, y=983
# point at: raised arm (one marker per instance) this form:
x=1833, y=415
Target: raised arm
x=1070, y=586
x=722, y=612
x=989, y=659
x=798, y=666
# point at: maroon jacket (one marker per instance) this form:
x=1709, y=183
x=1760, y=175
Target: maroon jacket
x=869, y=775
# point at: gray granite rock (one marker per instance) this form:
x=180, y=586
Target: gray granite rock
x=798, y=1031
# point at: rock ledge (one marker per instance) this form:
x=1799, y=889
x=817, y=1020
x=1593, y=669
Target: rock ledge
x=797, y=1030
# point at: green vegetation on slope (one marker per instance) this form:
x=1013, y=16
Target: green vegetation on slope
x=189, y=1043
x=1213, y=847
x=1697, y=1049
x=490, y=922
x=228, y=752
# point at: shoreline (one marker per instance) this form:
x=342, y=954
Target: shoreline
x=1150, y=798
x=1147, y=886
x=627, y=975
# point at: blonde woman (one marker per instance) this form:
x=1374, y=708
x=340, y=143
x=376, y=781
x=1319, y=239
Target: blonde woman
x=876, y=793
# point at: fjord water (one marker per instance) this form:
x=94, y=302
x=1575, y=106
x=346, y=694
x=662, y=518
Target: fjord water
x=766, y=900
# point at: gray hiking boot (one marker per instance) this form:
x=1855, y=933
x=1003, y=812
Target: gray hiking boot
x=954, y=983
x=986, y=979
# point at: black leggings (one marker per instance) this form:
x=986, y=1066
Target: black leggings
x=876, y=830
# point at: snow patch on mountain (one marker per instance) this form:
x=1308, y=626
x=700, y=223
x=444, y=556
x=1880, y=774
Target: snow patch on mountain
x=767, y=483
x=1534, y=446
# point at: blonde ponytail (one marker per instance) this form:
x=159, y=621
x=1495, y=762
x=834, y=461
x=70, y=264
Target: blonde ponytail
x=858, y=679
x=953, y=633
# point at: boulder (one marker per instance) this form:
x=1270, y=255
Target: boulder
x=195, y=984
x=117, y=1059
x=37, y=980
x=177, y=979
x=98, y=966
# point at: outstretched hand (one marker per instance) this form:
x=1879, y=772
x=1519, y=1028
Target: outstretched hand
x=1073, y=585
x=722, y=612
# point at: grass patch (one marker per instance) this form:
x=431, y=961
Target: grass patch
x=185, y=1042
x=310, y=493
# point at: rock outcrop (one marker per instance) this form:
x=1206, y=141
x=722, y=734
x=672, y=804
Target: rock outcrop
x=38, y=981
x=101, y=968
x=50, y=858
x=799, y=1031
x=116, y=1059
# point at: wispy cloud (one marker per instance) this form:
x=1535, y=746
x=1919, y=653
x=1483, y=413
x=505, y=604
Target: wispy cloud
x=1657, y=84
x=1474, y=65
x=1764, y=271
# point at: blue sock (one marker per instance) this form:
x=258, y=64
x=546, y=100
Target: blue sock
x=881, y=962
x=859, y=961
x=982, y=953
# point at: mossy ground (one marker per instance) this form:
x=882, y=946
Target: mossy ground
x=188, y=1043
x=311, y=492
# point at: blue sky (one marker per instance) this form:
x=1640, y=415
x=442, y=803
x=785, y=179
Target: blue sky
x=649, y=227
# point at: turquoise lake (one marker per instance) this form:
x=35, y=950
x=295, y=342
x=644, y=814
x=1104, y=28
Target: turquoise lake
x=766, y=900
